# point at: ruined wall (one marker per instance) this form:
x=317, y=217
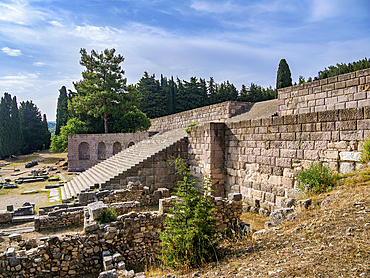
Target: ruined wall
x=351, y=90
x=206, y=155
x=262, y=157
x=134, y=235
x=155, y=172
x=86, y=150
x=213, y=113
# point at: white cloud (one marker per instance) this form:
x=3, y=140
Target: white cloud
x=38, y=64
x=210, y=7
x=325, y=9
x=11, y=52
x=56, y=23
x=94, y=33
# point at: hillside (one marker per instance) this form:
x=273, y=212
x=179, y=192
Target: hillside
x=330, y=240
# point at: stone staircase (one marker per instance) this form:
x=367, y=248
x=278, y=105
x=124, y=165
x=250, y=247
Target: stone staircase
x=109, y=169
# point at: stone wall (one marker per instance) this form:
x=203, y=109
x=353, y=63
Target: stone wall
x=86, y=150
x=263, y=156
x=213, y=113
x=206, y=155
x=351, y=90
x=74, y=216
x=227, y=212
x=155, y=172
x=134, y=235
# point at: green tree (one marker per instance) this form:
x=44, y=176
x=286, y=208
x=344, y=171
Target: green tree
x=190, y=236
x=62, y=110
x=32, y=127
x=47, y=134
x=284, y=77
x=153, y=98
x=102, y=90
x=131, y=121
x=59, y=143
x=10, y=134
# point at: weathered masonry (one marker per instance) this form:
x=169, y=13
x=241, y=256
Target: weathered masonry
x=324, y=121
x=86, y=150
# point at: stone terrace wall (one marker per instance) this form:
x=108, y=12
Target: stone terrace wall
x=75, y=163
x=351, y=90
x=134, y=235
x=213, y=113
x=263, y=156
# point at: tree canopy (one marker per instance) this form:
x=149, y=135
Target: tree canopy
x=62, y=110
x=10, y=132
x=284, y=77
x=102, y=89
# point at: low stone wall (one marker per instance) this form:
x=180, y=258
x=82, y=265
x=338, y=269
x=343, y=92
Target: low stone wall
x=350, y=90
x=213, y=113
x=59, y=219
x=74, y=216
x=227, y=212
x=134, y=235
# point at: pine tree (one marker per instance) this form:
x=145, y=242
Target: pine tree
x=284, y=77
x=102, y=90
x=190, y=236
x=212, y=89
x=62, y=110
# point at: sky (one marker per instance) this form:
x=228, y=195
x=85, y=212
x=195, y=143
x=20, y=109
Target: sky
x=237, y=40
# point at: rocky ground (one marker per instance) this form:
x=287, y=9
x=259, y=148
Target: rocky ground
x=331, y=239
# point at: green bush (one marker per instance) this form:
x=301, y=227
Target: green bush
x=107, y=216
x=190, y=236
x=318, y=178
x=365, y=156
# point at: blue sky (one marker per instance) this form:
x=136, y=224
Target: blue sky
x=235, y=40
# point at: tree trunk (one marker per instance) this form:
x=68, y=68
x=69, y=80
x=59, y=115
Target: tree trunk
x=105, y=122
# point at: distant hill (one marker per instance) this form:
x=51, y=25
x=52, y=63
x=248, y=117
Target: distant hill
x=51, y=127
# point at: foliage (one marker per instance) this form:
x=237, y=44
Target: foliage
x=59, y=143
x=190, y=236
x=46, y=133
x=10, y=132
x=102, y=90
x=34, y=131
x=343, y=68
x=318, y=178
x=284, y=77
x=192, y=124
x=106, y=216
x=365, y=156
x=132, y=121
x=62, y=110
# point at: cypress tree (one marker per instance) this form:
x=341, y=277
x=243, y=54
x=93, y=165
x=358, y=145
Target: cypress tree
x=62, y=110
x=9, y=126
x=32, y=128
x=284, y=77
x=46, y=133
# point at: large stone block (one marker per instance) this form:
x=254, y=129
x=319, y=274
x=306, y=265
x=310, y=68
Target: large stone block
x=350, y=156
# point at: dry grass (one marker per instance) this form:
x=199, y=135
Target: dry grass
x=333, y=241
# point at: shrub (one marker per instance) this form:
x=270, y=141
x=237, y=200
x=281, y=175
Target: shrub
x=107, y=216
x=190, y=235
x=365, y=156
x=317, y=178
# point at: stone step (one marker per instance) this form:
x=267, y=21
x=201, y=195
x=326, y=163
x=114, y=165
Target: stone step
x=63, y=193
x=128, y=158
